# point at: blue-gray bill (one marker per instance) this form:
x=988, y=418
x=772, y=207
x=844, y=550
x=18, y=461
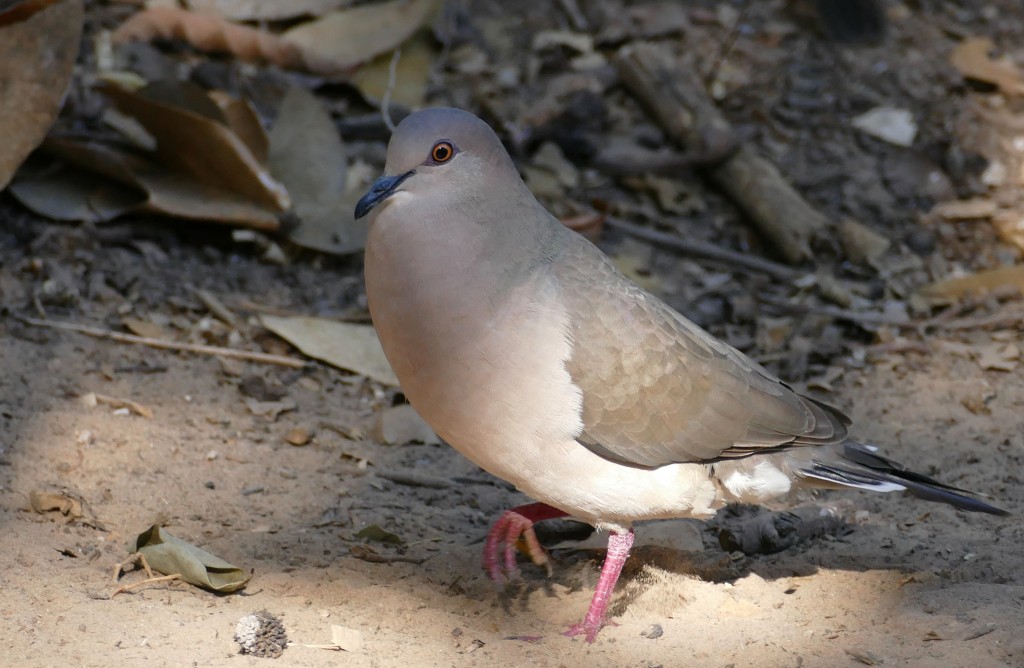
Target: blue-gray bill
x=381, y=189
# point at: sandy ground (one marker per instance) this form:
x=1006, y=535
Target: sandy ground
x=913, y=584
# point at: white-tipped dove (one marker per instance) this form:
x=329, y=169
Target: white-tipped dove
x=519, y=342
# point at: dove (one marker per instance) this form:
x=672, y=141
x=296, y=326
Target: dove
x=524, y=348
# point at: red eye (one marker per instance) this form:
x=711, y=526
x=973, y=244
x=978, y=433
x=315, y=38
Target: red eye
x=442, y=152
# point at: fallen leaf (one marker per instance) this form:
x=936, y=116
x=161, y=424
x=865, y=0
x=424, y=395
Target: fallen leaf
x=241, y=117
x=63, y=502
x=1010, y=227
x=270, y=409
x=307, y=155
x=348, y=640
x=377, y=534
x=860, y=242
x=118, y=182
x=966, y=209
x=144, y=328
x=299, y=436
x=411, y=73
x=984, y=281
x=401, y=424
x=74, y=195
x=170, y=555
x=998, y=356
x=895, y=126
x=350, y=37
x=38, y=46
x=265, y=10
x=971, y=58
x=196, y=143
x=210, y=33
x=341, y=344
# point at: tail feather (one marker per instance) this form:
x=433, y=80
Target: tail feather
x=861, y=468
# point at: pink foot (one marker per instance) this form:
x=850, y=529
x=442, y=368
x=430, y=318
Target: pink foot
x=505, y=533
x=619, y=545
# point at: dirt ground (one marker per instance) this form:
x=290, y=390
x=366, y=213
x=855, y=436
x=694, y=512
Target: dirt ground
x=912, y=584
x=905, y=583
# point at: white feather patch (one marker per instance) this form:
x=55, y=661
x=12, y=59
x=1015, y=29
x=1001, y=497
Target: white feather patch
x=763, y=483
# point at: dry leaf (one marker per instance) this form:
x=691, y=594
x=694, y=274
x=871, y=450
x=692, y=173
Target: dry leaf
x=308, y=156
x=411, y=73
x=121, y=182
x=972, y=59
x=344, y=345
x=349, y=37
x=144, y=328
x=265, y=10
x=241, y=117
x=1010, y=227
x=38, y=46
x=998, y=356
x=210, y=33
x=63, y=502
x=860, y=242
x=346, y=639
x=170, y=555
x=895, y=126
x=198, y=144
x=984, y=281
x=401, y=424
x=299, y=436
x=966, y=209
x=72, y=195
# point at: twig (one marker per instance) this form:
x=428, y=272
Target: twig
x=140, y=559
x=860, y=317
x=385, y=101
x=415, y=479
x=153, y=580
x=133, y=406
x=677, y=100
x=576, y=17
x=707, y=251
x=200, y=349
x=216, y=306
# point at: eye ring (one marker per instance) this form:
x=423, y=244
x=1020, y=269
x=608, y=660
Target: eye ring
x=442, y=152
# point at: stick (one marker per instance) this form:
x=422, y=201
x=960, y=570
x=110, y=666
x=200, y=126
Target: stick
x=706, y=250
x=385, y=103
x=677, y=100
x=266, y=358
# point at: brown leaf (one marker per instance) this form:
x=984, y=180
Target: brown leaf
x=63, y=502
x=401, y=424
x=241, y=117
x=206, y=32
x=411, y=73
x=191, y=141
x=120, y=182
x=1010, y=227
x=984, y=281
x=38, y=46
x=343, y=39
x=265, y=10
x=344, y=345
x=307, y=155
x=972, y=59
x=966, y=209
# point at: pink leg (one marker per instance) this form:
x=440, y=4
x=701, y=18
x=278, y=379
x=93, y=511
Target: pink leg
x=506, y=532
x=618, y=549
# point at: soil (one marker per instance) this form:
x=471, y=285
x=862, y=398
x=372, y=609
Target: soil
x=904, y=582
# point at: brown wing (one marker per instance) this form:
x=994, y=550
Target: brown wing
x=658, y=389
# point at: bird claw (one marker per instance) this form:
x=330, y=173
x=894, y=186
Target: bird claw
x=504, y=537
x=588, y=627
